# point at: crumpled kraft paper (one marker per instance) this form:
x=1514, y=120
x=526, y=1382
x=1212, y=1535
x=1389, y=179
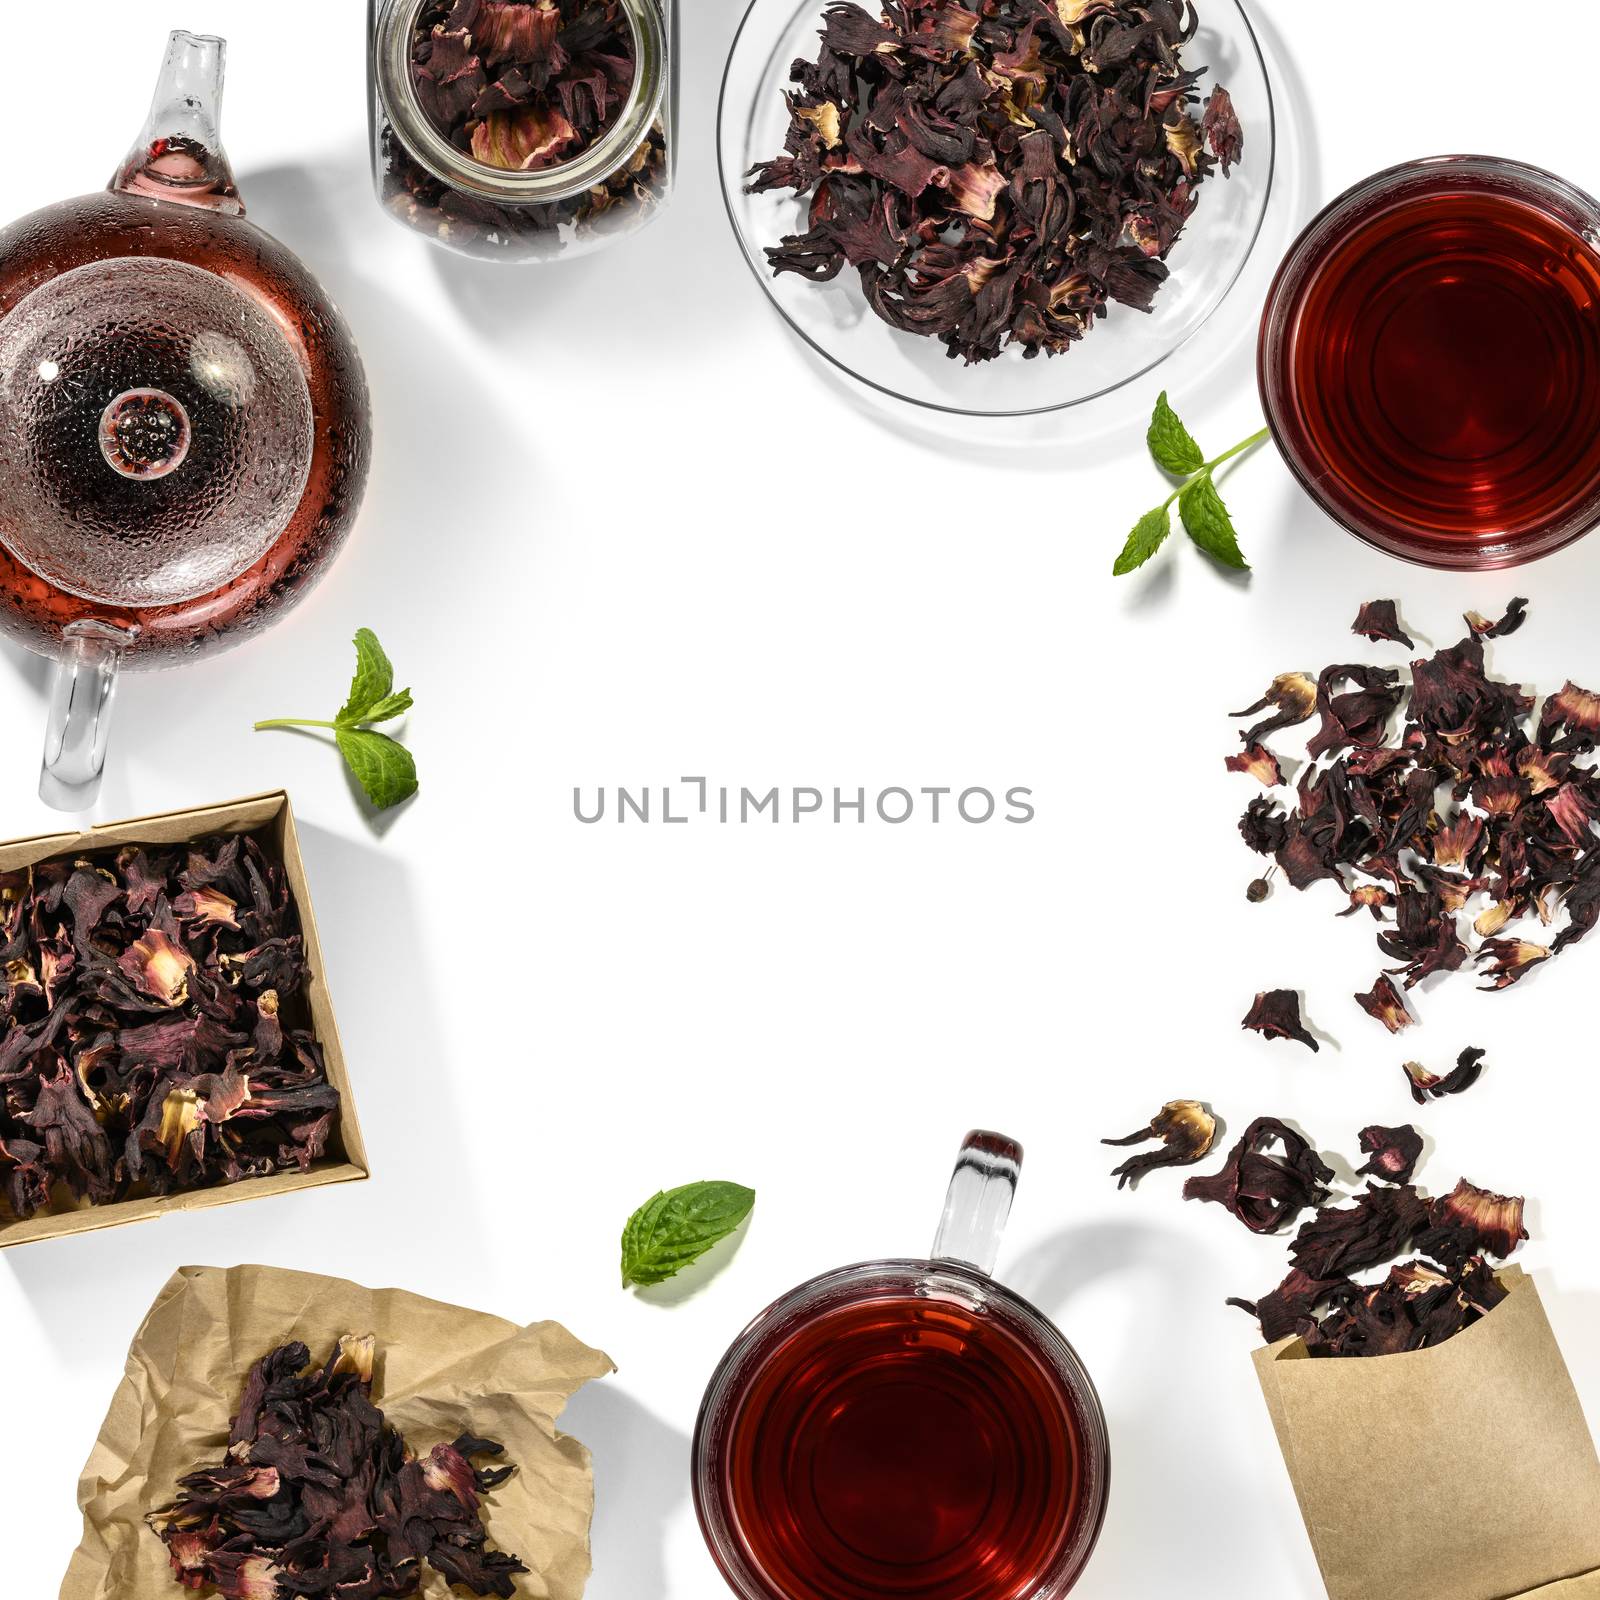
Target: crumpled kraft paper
x=440, y=1371
x=1464, y=1472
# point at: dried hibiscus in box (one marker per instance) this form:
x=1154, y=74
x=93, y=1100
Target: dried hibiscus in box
x=318, y=1495
x=156, y=1032
x=998, y=175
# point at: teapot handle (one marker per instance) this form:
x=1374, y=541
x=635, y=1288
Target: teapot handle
x=82, y=688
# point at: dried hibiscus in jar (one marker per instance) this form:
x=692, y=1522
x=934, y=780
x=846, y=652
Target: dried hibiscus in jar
x=518, y=130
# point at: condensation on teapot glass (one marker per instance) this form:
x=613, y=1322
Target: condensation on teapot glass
x=155, y=432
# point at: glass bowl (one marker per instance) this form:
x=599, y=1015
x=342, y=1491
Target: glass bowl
x=834, y=318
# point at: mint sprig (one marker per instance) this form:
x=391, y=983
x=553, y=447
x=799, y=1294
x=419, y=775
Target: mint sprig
x=1205, y=517
x=382, y=766
x=675, y=1228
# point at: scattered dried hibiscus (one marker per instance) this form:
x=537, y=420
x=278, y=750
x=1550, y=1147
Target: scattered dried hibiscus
x=1475, y=814
x=318, y=1495
x=998, y=175
x=1185, y=1127
x=1266, y=1191
x=146, y=1040
x=1276, y=1015
x=1426, y=1086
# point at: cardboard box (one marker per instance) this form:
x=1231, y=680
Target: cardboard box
x=270, y=817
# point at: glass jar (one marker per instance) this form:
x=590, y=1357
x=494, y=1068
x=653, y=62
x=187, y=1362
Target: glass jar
x=470, y=154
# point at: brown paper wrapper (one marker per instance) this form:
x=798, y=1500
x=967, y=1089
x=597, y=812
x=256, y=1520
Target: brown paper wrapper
x=1464, y=1472
x=441, y=1371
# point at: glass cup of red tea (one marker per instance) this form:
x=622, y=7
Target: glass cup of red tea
x=1430, y=361
x=906, y=1429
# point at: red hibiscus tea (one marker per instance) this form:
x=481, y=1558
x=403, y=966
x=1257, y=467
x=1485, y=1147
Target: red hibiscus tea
x=908, y=1447
x=1430, y=362
x=903, y=1439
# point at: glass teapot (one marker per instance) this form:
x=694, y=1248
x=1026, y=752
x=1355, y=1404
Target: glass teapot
x=184, y=422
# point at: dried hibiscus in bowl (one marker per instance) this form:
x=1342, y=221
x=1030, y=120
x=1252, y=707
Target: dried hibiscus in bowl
x=319, y=1495
x=150, y=1026
x=999, y=175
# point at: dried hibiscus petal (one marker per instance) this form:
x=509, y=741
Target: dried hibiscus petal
x=1516, y=614
x=1505, y=961
x=1266, y=1191
x=1258, y=762
x=1341, y=1240
x=1384, y=1003
x=1427, y=1085
x=1392, y=1153
x=1492, y=1222
x=1380, y=620
x=1185, y=1127
x=1276, y=1015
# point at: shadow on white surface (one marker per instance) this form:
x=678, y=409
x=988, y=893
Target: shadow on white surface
x=641, y=1469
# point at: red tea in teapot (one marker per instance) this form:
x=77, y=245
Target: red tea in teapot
x=905, y=1445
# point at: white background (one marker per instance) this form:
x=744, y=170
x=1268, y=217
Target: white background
x=622, y=529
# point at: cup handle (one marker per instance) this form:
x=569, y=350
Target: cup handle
x=979, y=1202
x=82, y=687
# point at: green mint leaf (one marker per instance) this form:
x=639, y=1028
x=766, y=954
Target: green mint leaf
x=1209, y=525
x=1171, y=443
x=373, y=682
x=1147, y=537
x=677, y=1227
x=387, y=710
x=382, y=767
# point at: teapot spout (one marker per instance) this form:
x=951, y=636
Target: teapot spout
x=179, y=156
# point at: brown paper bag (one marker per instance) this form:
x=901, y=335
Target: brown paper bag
x=1465, y=1472
x=440, y=1371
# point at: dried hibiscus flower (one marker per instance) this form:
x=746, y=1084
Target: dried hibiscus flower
x=1276, y=1015
x=1384, y=1003
x=997, y=176
x=1380, y=620
x=1263, y=1190
x=1427, y=1085
x=152, y=1031
x=1392, y=1153
x=1185, y=1127
x=319, y=1495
